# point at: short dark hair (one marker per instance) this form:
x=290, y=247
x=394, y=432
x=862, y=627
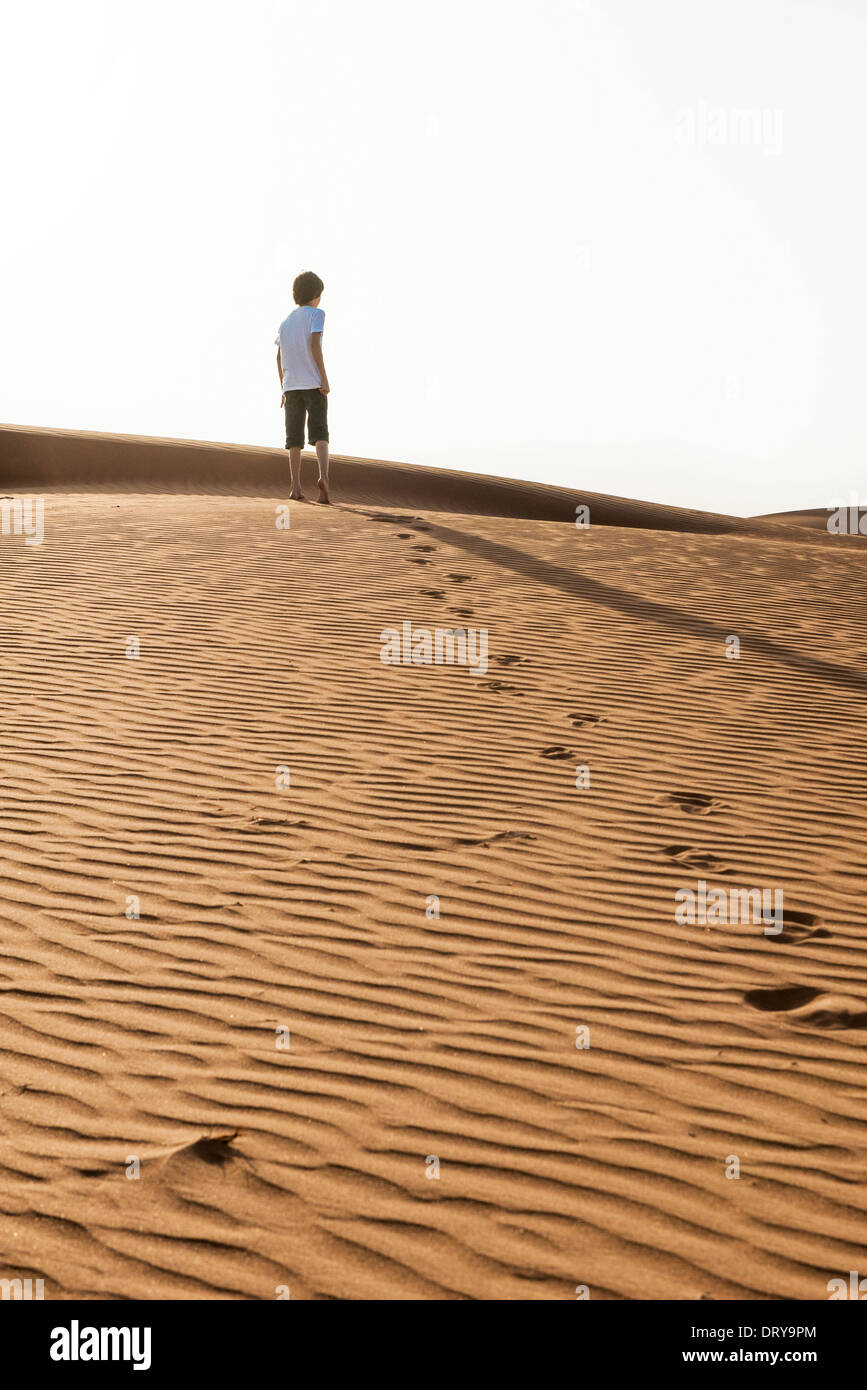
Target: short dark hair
x=307, y=286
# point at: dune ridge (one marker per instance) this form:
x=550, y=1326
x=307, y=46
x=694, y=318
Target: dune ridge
x=150, y=785
x=39, y=458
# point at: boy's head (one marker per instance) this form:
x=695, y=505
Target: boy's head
x=307, y=288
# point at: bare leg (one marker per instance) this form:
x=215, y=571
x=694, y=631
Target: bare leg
x=295, y=492
x=321, y=447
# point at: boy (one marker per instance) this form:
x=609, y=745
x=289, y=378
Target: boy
x=303, y=381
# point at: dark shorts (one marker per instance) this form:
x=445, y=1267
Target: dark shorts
x=309, y=404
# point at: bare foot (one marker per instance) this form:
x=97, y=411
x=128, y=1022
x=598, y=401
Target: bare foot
x=297, y=497
x=323, y=492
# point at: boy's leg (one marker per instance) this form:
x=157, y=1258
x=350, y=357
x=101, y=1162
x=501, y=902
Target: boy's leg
x=295, y=492
x=293, y=404
x=322, y=460
x=318, y=429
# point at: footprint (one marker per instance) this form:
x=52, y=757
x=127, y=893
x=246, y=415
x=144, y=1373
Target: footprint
x=462, y=612
x=459, y=578
x=508, y=660
x=214, y=1150
x=835, y=1011
x=433, y=593
x=497, y=839
x=781, y=1000
x=556, y=750
x=417, y=560
x=694, y=803
x=797, y=927
x=804, y=919
x=793, y=936
x=811, y=1006
x=502, y=685
x=424, y=547
x=580, y=721
x=406, y=535
x=696, y=858
x=256, y=823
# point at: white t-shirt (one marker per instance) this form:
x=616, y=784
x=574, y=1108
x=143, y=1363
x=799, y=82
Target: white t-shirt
x=300, y=372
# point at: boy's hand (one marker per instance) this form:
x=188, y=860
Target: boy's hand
x=325, y=388
x=283, y=399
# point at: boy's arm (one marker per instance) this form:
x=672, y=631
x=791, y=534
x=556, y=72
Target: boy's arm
x=316, y=350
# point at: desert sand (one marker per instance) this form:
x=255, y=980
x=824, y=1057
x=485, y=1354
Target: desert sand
x=148, y=784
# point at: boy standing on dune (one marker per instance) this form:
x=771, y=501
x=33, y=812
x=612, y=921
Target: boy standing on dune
x=303, y=380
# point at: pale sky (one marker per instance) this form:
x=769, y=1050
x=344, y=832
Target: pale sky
x=614, y=245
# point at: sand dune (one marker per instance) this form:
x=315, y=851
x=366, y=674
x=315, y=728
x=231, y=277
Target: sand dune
x=816, y=517
x=39, y=459
x=149, y=785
